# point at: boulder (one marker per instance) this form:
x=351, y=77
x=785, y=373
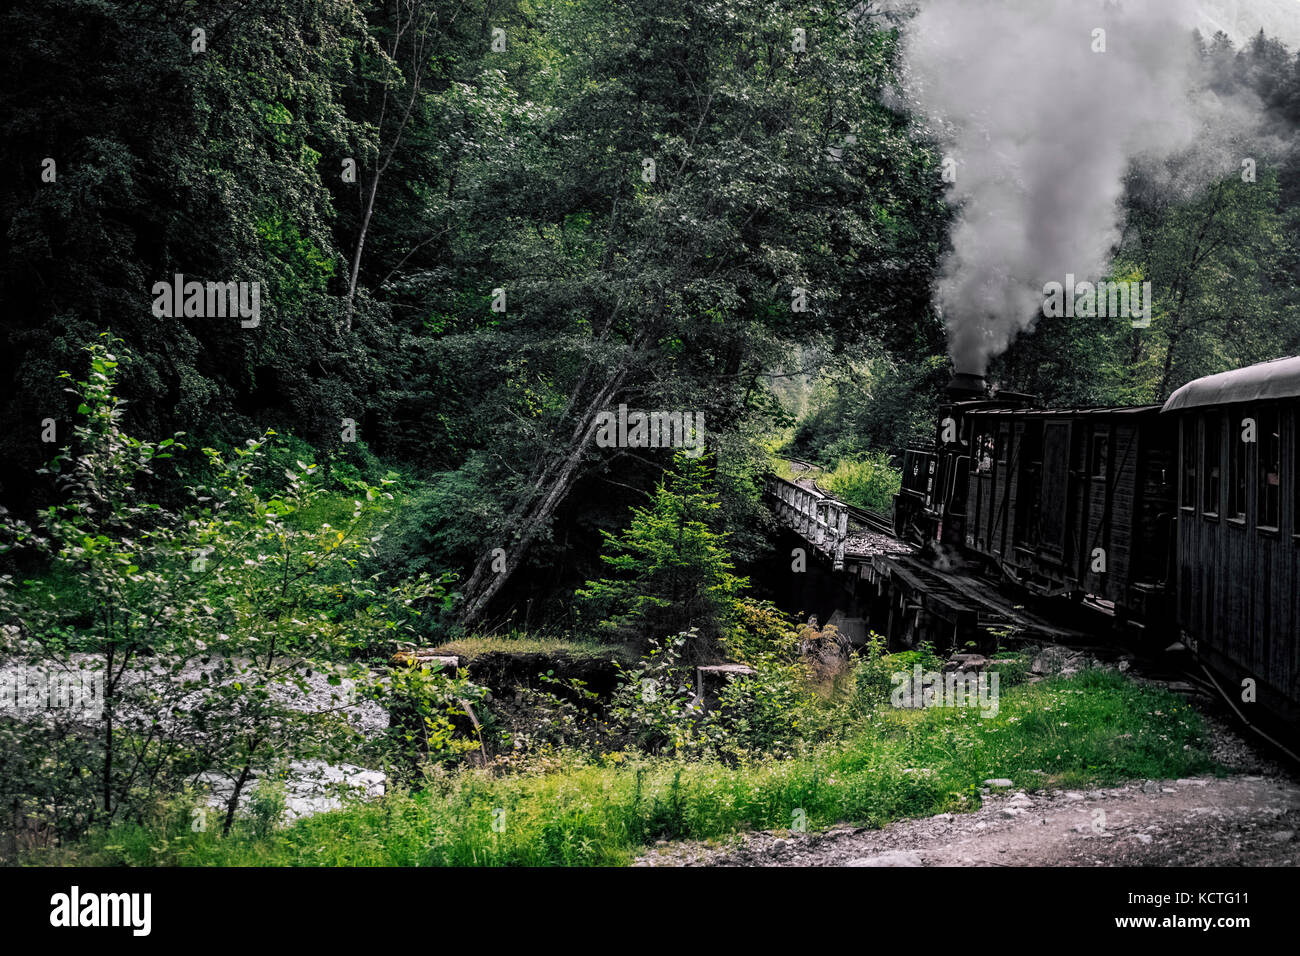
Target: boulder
x=1056, y=660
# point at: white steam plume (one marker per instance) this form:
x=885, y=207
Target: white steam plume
x=1043, y=129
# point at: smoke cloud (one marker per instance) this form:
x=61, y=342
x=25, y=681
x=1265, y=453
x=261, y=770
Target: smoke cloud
x=1043, y=122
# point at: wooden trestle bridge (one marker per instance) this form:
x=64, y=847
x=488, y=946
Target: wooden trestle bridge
x=886, y=585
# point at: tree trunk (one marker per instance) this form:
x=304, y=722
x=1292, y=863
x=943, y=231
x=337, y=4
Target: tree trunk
x=355, y=270
x=233, y=804
x=554, y=481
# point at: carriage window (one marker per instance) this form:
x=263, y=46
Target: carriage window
x=982, y=454
x=1188, y=494
x=1237, y=471
x=1100, y=455
x=1213, y=464
x=1269, y=468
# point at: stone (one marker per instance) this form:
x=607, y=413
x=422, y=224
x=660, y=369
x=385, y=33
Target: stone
x=1055, y=659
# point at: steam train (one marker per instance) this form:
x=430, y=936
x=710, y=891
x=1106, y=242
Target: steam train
x=1184, y=518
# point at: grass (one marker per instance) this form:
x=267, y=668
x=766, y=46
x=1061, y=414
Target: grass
x=784, y=469
x=468, y=648
x=1094, y=728
x=870, y=483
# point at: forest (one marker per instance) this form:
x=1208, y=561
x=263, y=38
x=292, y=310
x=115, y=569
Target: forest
x=342, y=335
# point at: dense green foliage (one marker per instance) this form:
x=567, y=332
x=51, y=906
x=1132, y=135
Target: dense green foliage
x=870, y=483
x=524, y=169
x=200, y=625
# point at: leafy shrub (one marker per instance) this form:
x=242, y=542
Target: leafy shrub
x=771, y=712
x=655, y=706
x=426, y=705
x=267, y=804
x=869, y=483
x=768, y=713
x=761, y=628
x=205, y=625
x=1012, y=667
x=876, y=669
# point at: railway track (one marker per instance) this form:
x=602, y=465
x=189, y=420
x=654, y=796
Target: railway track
x=872, y=519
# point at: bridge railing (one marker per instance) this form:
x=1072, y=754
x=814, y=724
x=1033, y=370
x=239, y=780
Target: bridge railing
x=819, y=519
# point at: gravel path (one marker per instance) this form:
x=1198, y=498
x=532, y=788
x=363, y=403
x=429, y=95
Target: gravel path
x=1203, y=821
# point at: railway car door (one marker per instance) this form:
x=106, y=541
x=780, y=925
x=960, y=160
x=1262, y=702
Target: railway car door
x=1054, y=502
x=1028, y=517
x=952, y=529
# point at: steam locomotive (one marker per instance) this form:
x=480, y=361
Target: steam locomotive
x=1183, y=518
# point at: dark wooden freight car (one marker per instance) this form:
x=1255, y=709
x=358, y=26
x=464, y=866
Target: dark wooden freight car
x=1074, y=501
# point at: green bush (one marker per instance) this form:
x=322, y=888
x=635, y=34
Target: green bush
x=869, y=483
x=205, y=623
x=875, y=672
x=1012, y=667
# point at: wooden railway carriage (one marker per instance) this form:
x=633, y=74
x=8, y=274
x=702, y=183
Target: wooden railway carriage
x=1185, y=516
x=1238, y=540
x=1074, y=501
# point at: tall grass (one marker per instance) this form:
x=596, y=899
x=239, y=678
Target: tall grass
x=1097, y=727
x=870, y=483
x=520, y=642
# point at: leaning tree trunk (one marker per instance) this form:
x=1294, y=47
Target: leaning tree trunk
x=555, y=479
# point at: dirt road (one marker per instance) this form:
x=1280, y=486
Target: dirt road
x=1204, y=821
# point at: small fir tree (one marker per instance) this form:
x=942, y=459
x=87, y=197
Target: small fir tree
x=671, y=571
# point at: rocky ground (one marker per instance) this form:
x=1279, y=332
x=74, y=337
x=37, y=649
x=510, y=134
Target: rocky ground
x=311, y=786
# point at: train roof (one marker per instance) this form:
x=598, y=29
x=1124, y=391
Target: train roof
x=1279, y=378
x=1010, y=411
